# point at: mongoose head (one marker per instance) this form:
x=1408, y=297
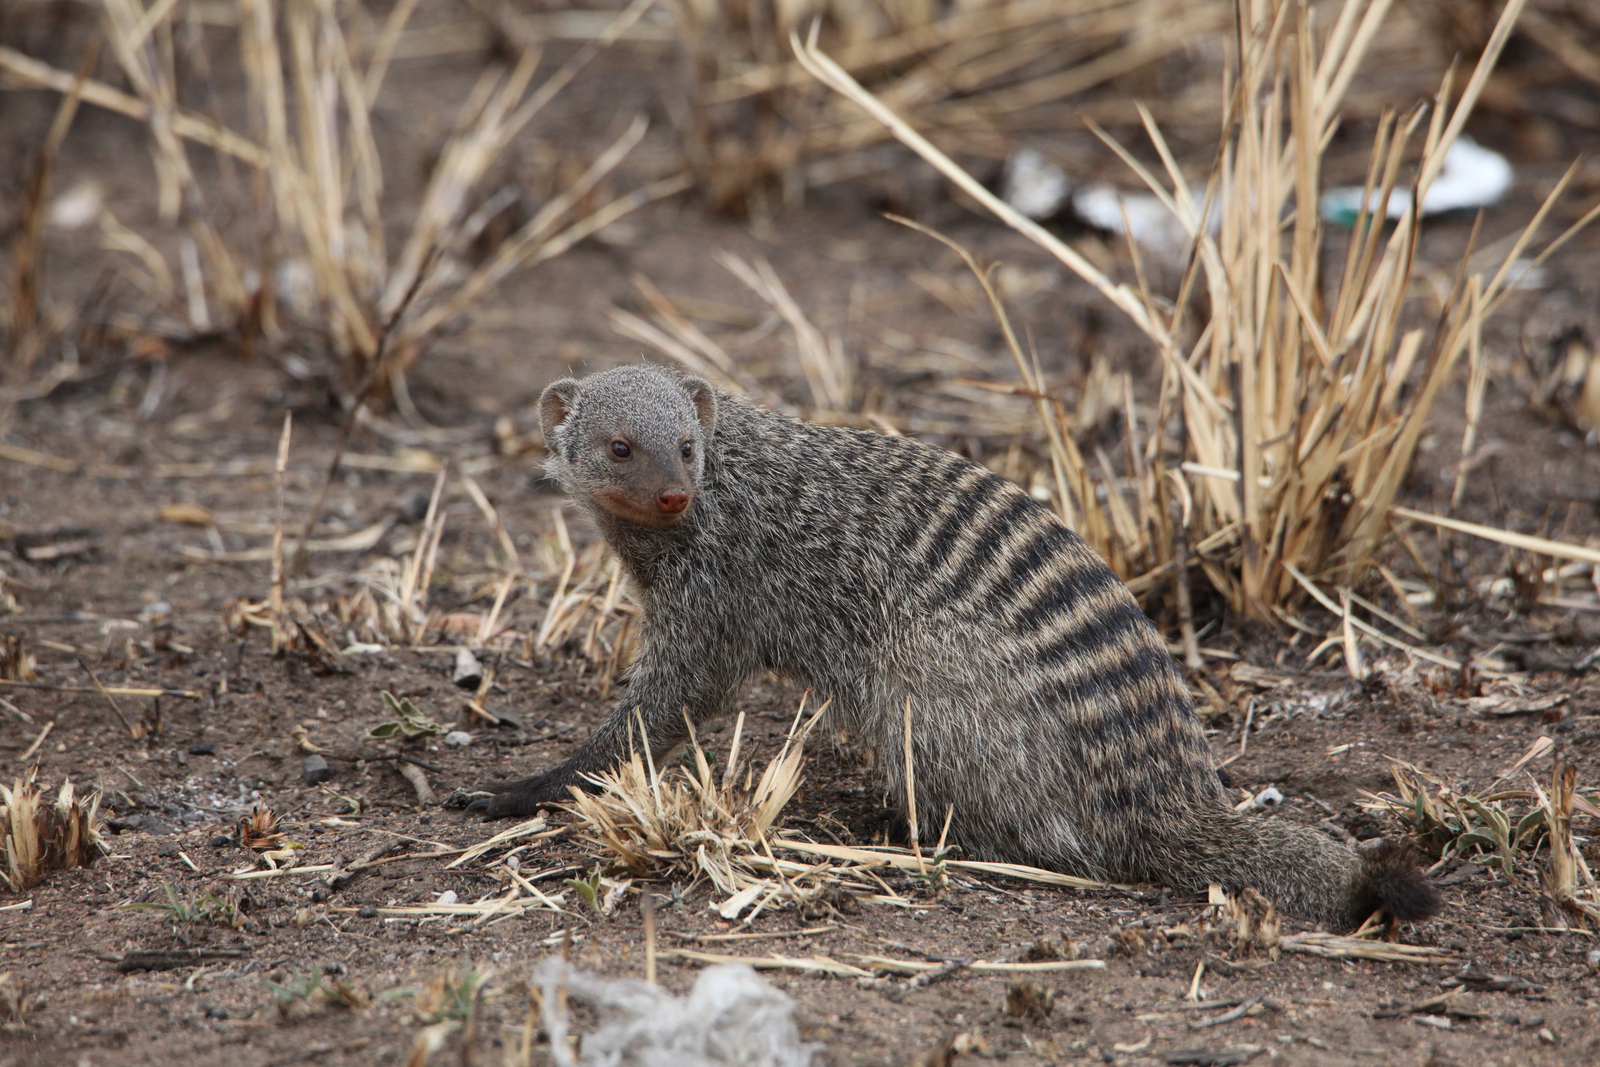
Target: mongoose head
x=630, y=441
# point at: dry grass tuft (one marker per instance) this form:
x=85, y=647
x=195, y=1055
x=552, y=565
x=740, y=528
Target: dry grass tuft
x=15, y=1003
x=17, y=664
x=683, y=820
x=1299, y=399
x=261, y=829
x=38, y=837
x=1254, y=924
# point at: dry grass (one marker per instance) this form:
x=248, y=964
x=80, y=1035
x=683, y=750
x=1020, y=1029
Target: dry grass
x=971, y=73
x=38, y=836
x=687, y=820
x=828, y=371
x=684, y=820
x=318, y=262
x=1299, y=399
x=590, y=608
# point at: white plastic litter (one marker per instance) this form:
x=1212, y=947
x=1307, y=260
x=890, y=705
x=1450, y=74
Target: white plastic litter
x=78, y=206
x=1269, y=797
x=731, y=1018
x=1472, y=177
x=1140, y=214
x=1040, y=190
x=1034, y=185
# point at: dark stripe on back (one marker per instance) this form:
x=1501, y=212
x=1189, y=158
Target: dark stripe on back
x=1077, y=581
x=956, y=517
x=1050, y=546
x=1120, y=630
x=1105, y=712
x=980, y=557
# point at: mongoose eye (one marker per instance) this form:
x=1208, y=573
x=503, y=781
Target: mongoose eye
x=688, y=450
x=620, y=449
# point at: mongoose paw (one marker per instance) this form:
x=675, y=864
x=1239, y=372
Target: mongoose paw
x=526, y=796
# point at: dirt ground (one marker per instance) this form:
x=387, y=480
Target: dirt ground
x=109, y=594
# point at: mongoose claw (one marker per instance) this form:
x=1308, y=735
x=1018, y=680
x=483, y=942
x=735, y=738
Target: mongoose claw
x=526, y=796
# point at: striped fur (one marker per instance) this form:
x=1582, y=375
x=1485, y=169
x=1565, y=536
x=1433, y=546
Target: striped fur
x=872, y=568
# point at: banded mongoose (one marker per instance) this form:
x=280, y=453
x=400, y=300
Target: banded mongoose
x=873, y=568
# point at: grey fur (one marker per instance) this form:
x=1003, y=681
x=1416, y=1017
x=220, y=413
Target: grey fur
x=872, y=568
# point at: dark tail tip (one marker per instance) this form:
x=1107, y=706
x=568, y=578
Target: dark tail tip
x=1391, y=878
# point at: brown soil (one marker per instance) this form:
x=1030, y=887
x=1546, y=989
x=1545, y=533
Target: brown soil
x=114, y=592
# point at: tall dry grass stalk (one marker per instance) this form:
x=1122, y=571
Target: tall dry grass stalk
x=971, y=71
x=312, y=79
x=1299, y=397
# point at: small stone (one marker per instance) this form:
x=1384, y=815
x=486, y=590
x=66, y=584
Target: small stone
x=447, y=897
x=315, y=770
x=368, y=912
x=203, y=750
x=1547, y=1036
x=211, y=1011
x=468, y=672
x=457, y=739
x=220, y=841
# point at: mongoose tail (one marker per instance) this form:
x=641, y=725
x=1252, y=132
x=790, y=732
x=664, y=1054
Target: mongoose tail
x=1049, y=720
x=1303, y=871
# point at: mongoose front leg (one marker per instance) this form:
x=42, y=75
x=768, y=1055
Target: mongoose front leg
x=668, y=680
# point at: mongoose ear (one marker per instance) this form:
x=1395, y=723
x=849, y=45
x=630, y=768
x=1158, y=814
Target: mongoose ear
x=555, y=404
x=704, y=399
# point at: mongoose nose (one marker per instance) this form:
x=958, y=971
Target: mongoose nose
x=672, y=500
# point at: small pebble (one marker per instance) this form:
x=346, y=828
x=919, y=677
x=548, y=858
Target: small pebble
x=367, y=912
x=447, y=897
x=457, y=739
x=315, y=770
x=203, y=750
x=1269, y=797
